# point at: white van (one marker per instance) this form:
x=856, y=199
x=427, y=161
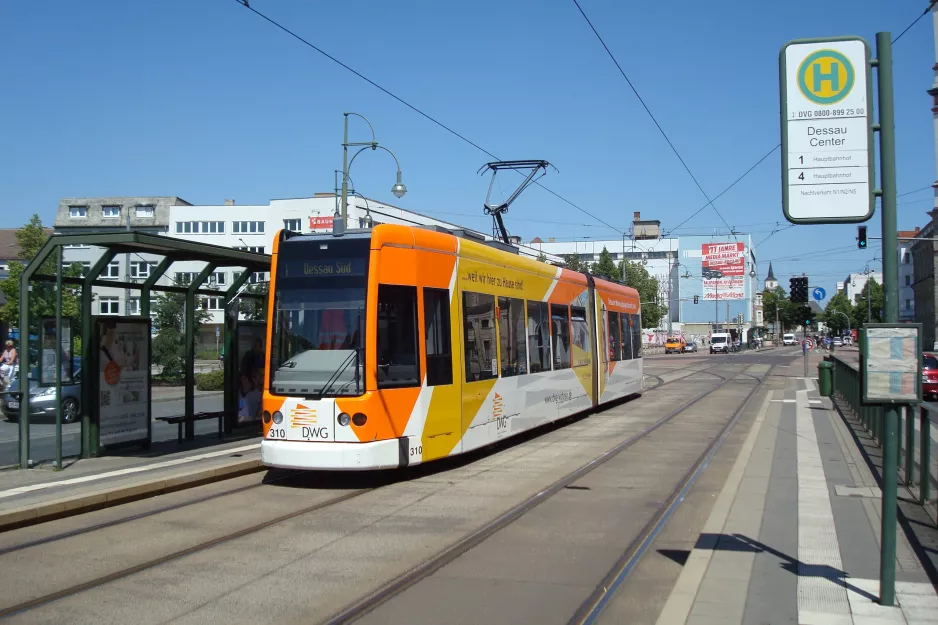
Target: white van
x=789, y=339
x=720, y=342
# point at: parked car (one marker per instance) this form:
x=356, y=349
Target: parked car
x=43, y=400
x=929, y=376
x=691, y=348
x=720, y=342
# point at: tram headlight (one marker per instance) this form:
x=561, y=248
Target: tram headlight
x=359, y=419
x=266, y=417
x=278, y=417
x=344, y=418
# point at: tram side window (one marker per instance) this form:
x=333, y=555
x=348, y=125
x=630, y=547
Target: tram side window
x=581, y=335
x=539, y=336
x=398, y=365
x=636, y=336
x=479, y=336
x=437, y=337
x=626, y=326
x=615, y=342
x=511, y=336
x=560, y=324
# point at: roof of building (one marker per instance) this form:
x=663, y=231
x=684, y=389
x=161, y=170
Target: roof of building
x=909, y=234
x=770, y=276
x=9, y=247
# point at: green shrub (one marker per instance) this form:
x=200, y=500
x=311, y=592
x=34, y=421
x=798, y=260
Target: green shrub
x=212, y=381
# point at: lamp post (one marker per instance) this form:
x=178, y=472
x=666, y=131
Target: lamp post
x=398, y=189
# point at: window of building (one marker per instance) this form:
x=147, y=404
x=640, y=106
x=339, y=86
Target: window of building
x=248, y=227
x=111, y=212
x=77, y=212
x=615, y=337
x=580, y=335
x=185, y=278
x=292, y=224
x=478, y=333
x=212, y=303
x=908, y=280
x=437, y=337
x=109, y=305
x=257, y=249
x=85, y=268
x=560, y=329
x=200, y=227
x=141, y=269
x=539, y=336
x=134, y=306
x=512, y=338
x=398, y=364
x=908, y=304
x=145, y=212
x=112, y=271
x=218, y=278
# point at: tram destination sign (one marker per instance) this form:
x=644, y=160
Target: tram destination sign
x=827, y=133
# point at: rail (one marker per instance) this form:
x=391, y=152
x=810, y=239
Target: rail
x=918, y=469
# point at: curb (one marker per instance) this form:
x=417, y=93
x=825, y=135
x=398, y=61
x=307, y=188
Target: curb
x=79, y=504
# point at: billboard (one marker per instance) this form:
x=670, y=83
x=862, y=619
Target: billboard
x=723, y=270
x=123, y=379
x=321, y=223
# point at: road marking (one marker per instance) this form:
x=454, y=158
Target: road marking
x=681, y=600
x=120, y=472
x=820, y=597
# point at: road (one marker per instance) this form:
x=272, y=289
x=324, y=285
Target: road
x=42, y=434
x=234, y=551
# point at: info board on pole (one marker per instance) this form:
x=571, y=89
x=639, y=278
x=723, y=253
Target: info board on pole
x=826, y=131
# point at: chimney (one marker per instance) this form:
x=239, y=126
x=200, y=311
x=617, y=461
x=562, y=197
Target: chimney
x=637, y=215
x=229, y=202
x=917, y=229
x=550, y=240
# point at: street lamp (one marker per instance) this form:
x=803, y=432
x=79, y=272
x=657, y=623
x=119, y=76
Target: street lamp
x=398, y=189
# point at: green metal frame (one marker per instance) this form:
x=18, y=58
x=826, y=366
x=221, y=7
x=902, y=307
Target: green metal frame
x=231, y=349
x=190, y=344
x=172, y=250
x=783, y=90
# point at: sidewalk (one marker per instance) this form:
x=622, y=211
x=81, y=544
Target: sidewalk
x=794, y=535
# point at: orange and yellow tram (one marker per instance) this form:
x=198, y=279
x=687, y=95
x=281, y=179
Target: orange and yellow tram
x=398, y=345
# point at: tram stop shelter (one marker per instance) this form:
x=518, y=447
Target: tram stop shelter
x=124, y=383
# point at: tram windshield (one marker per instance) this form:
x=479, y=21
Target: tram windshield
x=318, y=319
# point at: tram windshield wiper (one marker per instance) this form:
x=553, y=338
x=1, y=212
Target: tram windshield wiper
x=352, y=357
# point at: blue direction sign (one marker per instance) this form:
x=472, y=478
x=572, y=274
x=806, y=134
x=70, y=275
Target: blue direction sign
x=819, y=293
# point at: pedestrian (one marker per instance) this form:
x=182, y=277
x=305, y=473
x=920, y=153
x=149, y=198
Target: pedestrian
x=8, y=360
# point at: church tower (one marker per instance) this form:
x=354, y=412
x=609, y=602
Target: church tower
x=770, y=281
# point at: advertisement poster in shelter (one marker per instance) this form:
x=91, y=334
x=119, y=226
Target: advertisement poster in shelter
x=723, y=271
x=123, y=379
x=250, y=370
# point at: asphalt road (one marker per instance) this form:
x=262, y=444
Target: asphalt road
x=42, y=434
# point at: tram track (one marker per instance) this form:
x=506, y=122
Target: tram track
x=593, y=606
x=398, y=585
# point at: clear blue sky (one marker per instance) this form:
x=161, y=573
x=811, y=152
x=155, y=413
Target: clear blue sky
x=206, y=101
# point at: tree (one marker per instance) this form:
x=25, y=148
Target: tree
x=254, y=309
x=31, y=238
x=637, y=277
x=541, y=257
x=871, y=312
x=606, y=267
x=573, y=263
x=169, y=342
x=835, y=310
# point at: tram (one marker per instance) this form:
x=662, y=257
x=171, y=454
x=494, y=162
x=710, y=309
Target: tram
x=399, y=345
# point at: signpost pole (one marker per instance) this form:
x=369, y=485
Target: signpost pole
x=58, y=358
x=887, y=162
x=805, y=350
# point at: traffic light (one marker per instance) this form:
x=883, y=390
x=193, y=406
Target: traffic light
x=695, y=298
x=861, y=237
x=798, y=288
x=807, y=315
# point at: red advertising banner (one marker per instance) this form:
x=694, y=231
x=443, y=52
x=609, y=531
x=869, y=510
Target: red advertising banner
x=321, y=223
x=723, y=269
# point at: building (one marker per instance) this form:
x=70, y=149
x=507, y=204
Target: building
x=854, y=283
x=906, y=275
x=248, y=227
x=770, y=283
x=719, y=271
x=923, y=284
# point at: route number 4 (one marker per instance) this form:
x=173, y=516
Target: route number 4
x=801, y=176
